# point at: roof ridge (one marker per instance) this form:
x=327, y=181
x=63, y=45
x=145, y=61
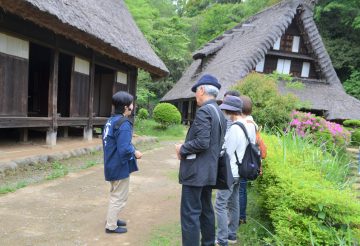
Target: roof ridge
x=246, y=23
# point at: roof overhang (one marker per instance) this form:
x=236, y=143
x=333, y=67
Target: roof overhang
x=44, y=19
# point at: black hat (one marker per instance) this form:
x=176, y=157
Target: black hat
x=232, y=103
x=206, y=79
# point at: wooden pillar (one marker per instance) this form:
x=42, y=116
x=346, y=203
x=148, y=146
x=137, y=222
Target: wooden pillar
x=52, y=102
x=132, y=85
x=66, y=132
x=24, y=135
x=88, y=130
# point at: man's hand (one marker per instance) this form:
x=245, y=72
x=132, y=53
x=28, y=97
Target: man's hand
x=138, y=154
x=177, y=149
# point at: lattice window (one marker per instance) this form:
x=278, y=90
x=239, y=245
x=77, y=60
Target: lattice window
x=286, y=43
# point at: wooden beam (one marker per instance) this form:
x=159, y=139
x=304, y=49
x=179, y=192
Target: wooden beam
x=51, y=133
x=18, y=122
x=75, y=121
x=53, y=88
x=91, y=91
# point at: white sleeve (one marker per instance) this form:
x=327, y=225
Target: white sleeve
x=233, y=138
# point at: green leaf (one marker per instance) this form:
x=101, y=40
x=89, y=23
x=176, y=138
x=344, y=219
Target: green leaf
x=321, y=215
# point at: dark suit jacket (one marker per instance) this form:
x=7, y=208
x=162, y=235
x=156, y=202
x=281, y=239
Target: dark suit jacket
x=202, y=147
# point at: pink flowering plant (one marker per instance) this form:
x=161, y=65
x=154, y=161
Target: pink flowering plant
x=319, y=129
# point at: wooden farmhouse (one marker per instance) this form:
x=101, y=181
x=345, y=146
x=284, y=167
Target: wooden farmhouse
x=282, y=38
x=61, y=61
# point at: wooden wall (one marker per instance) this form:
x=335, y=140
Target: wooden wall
x=73, y=94
x=13, y=85
x=79, y=95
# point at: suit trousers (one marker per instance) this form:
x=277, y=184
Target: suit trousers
x=118, y=196
x=197, y=216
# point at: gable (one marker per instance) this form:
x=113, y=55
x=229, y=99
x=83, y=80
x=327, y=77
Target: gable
x=250, y=46
x=290, y=55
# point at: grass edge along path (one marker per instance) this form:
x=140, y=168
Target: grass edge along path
x=53, y=170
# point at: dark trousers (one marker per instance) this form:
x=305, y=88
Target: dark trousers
x=197, y=215
x=242, y=199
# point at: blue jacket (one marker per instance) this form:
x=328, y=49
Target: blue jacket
x=119, y=153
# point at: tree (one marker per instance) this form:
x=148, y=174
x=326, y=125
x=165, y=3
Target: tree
x=339, y=25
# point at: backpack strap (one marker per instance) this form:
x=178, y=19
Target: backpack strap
x=120, y=122
x=241, y=125
x=221, y=127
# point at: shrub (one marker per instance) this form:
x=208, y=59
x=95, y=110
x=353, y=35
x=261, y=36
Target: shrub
x=352, y=123
x=306, y=195
x=270, y=108
x=355, y=137
x=166, y=114
x=321, y=131
x=143, y=114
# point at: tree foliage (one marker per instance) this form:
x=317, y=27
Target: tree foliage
x=339, y=25
x=175, y=29
x=270, y=108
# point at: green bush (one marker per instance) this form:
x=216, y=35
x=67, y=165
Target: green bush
x=355, y=137
x=270, y=108
x=166, y=114
x=306, y=194
x=352, y=123
x=143, y=114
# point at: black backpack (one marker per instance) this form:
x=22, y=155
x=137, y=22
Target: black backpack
x=249, y=168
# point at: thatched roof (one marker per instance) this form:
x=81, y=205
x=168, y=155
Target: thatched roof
x=103, y=25
x=231, y=56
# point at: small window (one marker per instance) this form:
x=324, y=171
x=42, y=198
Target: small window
x=14, y=46
x=295, y=44
x=283, y=66
x=305, y=71
x=121, y=78
x=277, y=44
x=286, y=43
x=260, y=66
x=82, y=66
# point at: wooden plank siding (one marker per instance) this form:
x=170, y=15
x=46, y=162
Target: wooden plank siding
x=13, y=85
x=79, y=95
x=68, y=98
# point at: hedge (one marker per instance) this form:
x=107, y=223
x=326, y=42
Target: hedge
x=306, y=195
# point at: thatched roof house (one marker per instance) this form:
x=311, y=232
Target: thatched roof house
x=282, y=38
x=61, y=61
x=105, y=26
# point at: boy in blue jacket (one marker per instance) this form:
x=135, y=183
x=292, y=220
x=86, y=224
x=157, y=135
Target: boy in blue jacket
x=119, y=158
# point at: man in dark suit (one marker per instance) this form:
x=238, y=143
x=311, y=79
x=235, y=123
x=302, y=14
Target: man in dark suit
x=198, y=166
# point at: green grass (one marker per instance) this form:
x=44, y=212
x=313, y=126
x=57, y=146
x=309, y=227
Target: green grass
x=151, y=128
x=166, y=235
x=173, y=175
x=11, y=188
x=258, y=229
x=59, y=170
x=90, y=163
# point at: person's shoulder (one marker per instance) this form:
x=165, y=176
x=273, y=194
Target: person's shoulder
x=122, y=123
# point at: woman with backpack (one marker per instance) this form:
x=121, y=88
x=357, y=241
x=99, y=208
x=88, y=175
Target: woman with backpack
x=227, y=201
x=246, y=113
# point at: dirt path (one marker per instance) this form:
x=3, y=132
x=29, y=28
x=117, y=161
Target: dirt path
x=71, y=210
